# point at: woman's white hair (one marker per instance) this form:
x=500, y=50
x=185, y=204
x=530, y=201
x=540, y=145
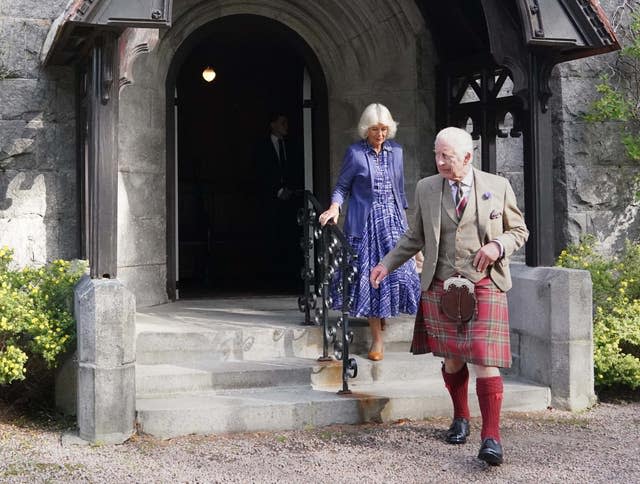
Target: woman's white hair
x=459, y=139
x=373, y=115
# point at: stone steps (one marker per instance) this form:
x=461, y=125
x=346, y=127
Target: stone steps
x=296, y=407
x=211, y=374
x=289, y=393
x=161, y=342
x=217, y=375
x=232, y=366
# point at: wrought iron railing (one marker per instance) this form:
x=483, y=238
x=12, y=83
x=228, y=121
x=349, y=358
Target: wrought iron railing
x=327, y=255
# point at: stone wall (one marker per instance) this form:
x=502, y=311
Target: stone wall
x=551, y=332
x=594, y=176
x=142, y=255
x=38, y=181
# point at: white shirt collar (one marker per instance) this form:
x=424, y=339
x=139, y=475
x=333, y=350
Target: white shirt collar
x=467, y=181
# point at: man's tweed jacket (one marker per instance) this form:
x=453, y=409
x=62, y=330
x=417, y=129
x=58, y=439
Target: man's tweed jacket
x=498, y=219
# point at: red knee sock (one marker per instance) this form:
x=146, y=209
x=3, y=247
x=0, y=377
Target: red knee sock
x=457, y=384
x=489, y=391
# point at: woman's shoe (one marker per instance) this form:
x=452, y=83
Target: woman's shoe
x=375, y=355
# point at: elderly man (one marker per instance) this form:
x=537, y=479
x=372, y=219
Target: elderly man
x=469, y=225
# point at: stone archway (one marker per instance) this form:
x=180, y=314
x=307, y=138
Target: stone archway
x=363, y=59
x=226, y=234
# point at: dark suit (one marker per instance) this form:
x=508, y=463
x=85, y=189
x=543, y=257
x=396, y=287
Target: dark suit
x=280, y=233
x=271, y=173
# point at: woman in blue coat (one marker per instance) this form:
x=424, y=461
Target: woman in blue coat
x=372, y=179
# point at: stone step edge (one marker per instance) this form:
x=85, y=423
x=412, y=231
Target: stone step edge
x=401, y=334
x=295, y=408
x=423, y=387
x=212, y=374
x=286, y=363
x=178, y=356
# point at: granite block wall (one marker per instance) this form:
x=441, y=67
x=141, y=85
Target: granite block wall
x=38, y=177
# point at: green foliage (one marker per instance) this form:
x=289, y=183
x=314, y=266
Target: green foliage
x=36, y=319
x=631, y=43
x=632, y=143
x=612, y=105
x=617, y=345
x=616, y=302
x=620, y=93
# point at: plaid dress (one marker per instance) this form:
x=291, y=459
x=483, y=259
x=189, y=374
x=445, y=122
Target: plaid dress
x=400, y=291
x=482, y=341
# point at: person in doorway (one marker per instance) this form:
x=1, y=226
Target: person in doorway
x=372, y=178
x=468, y=223
x=278, y=174
x=272, y=161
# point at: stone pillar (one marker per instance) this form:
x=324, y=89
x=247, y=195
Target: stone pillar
x=550, y=311
x=105, y=315
x=66, y=386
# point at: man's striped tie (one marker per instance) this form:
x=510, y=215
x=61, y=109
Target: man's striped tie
x=461, y=200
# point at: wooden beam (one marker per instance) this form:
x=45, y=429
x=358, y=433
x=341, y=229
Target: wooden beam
x=538, y=169
x=102, y=156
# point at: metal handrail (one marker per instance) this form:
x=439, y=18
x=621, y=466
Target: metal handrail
x=327, y=250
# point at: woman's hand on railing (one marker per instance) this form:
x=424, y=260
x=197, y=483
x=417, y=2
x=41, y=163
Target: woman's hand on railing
x=378, y=273
x=331, y=214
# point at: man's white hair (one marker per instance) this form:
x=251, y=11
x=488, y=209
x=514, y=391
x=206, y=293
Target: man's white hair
x=459, y=139
x=373, y=115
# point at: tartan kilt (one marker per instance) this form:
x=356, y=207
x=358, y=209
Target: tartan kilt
x=482, y=341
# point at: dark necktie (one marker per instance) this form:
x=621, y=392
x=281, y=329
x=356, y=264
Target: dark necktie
x=281, y=154
x=281, y=158
x=461, y=200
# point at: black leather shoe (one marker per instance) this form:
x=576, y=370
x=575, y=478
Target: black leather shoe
x=491, y=452
x=458, y=432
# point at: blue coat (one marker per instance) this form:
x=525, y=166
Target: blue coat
x=356, y=182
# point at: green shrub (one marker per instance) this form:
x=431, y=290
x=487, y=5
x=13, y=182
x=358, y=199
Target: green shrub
x=618, y=93
x=616, y=319
x=619, y=90
x=36, y=314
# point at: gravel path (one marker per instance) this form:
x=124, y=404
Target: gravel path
x=601, y=445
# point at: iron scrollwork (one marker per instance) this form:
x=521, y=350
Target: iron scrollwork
x=327, y=255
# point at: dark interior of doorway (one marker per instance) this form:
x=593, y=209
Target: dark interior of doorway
x=234, y=238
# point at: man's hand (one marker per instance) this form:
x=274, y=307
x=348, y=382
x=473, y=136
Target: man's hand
x=284, y=194
x=419, y=261
x=486, y=256
x=378, y=273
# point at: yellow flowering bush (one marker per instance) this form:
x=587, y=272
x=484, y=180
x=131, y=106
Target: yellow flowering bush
x=36, y=314
x=616, y=319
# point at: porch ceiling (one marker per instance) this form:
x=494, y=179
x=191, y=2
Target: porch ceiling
x=565, y=29
x=73, y=30
x=568, y=29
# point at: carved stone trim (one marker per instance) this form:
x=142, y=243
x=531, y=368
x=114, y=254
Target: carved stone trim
x=134, y=43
